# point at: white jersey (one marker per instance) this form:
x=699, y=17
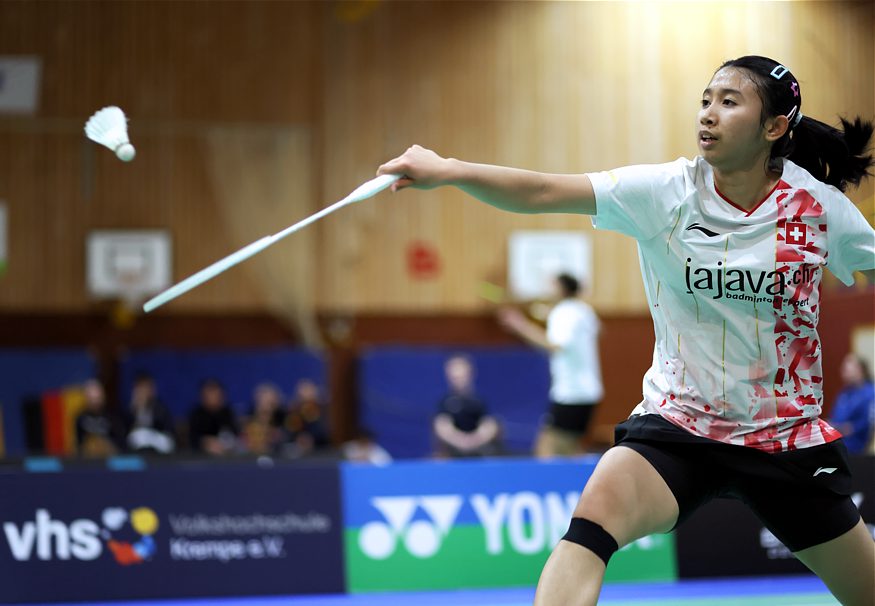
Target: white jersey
x=576, y=376
x=734, y=296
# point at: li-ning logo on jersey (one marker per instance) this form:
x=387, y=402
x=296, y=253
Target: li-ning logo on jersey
x=745, y=285
x=704, y=230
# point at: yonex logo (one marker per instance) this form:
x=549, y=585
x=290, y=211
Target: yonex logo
x=824, y=470
x=526, y=522
x=422, y=538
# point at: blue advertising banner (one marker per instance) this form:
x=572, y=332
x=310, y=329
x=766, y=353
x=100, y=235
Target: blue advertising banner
x=170, y=533
x=402, y=386
x=477, y=523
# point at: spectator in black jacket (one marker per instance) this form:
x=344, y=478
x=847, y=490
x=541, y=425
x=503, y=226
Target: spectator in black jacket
x=148, y=422
x=463, y=426
x=263, y=431
x=98, y=432
x=305, y=421
x=212, y=426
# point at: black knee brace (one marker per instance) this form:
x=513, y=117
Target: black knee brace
x=592, y=536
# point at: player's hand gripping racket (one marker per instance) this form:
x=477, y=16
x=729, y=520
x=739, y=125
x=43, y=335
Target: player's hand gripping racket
x=362, y=192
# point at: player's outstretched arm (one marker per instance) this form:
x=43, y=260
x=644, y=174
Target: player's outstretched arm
x=514, y=320
x=511, y=189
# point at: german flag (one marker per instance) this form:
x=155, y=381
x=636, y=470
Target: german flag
x=59, y=412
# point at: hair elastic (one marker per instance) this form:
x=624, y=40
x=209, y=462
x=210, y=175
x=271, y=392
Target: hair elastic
x=798, y=116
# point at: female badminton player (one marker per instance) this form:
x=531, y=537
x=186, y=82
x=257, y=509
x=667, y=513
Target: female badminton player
x=733, y=244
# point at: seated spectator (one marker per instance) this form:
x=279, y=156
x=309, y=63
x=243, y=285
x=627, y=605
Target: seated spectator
x=212, y=426
x=98, y=432
x=149, y=424
x=462, y=426
x=364, y=449
x=852, y=414
x=262, y=432
x=304, y=423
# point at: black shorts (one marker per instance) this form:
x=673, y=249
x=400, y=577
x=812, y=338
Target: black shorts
x=802, y=496
x=570, y=417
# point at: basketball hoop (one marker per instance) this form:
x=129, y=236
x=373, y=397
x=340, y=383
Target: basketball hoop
x=132, y=293
x=127, y=267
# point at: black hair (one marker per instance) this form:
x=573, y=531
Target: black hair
x=835, y=157
x=212, y=382
x=569, y=285
x=864, y=367
x=143, y=377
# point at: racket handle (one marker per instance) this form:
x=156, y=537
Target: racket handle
x=371, y=188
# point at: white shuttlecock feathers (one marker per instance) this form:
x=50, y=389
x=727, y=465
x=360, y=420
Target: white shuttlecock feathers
x=109, y=127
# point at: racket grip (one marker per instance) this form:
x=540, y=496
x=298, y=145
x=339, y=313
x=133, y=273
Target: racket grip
x=371, y=188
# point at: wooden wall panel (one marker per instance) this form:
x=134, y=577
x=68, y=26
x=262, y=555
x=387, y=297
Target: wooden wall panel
x=182, y=71
x=46, y=181
x=554, y=86
x=180, y=61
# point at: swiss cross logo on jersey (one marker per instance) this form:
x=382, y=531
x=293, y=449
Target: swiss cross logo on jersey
x=795, y=234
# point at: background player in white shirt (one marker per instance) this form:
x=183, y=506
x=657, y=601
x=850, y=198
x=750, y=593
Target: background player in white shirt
x=732, y=244
x=571, y=339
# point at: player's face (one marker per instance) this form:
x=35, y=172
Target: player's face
x=729, y=133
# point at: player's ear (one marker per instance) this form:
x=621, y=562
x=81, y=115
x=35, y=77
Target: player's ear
x=775, y=128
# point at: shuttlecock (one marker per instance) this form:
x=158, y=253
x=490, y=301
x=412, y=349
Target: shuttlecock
x=109, y=127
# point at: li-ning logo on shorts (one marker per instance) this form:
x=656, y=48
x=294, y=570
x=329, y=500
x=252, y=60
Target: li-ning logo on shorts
x=422, y=538
x=825, y=470
x=745, y=285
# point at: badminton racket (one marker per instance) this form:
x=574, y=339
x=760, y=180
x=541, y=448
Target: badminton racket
x=362, y=192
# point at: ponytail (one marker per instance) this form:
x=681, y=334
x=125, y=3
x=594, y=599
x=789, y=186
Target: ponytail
x=835, y=157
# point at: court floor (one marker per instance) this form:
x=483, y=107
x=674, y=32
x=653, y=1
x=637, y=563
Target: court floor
x=764, y=591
